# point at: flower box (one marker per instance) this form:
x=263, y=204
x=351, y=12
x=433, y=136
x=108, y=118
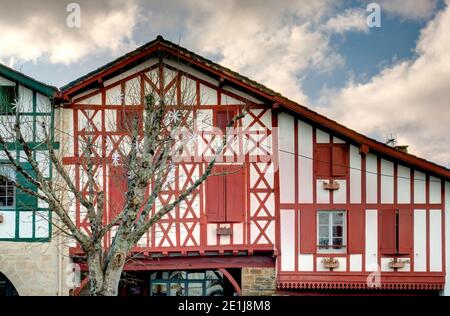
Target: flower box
x=224, y=231
x=397, y=263
x=330, y=263
x=331, y=185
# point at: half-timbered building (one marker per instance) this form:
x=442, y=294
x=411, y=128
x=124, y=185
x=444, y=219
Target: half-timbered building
x=312, y=205
x=30, y=261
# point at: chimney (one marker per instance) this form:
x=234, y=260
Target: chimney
x=402, y=148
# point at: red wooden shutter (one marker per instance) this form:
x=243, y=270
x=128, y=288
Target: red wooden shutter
x=222, y=119
x=323, y=161
x=126, y=119
x=339, y=165
x=308, y=238
x=356, y=220
x=215, y=196
x=235, y=189
x=118, y=187
x=405, y=231
x=388, y=232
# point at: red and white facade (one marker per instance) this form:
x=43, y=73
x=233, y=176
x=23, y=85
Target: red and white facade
x=266, y=214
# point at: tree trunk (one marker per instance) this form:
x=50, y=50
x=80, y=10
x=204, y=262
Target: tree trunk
x=104, y=280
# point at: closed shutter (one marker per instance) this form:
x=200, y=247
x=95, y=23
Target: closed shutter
x=388, y=232
x=339, y=165
x=235, y=193
x=25, y=201
x=308, y=238
x=323, y=161
x=118, y=187
x=356, y=218
x=127, y=118
x=405, y=232
x=215, y=196
x=222, y=119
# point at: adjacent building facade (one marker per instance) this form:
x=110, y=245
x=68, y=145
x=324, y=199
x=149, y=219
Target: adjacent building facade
x=306, y=205
x=30, y=260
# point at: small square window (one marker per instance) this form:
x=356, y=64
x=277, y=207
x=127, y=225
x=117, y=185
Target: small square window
x=331, y=232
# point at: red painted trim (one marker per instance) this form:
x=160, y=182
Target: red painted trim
x=199, y=262
x=427, y=201
x=77, y=291
x=286, y=103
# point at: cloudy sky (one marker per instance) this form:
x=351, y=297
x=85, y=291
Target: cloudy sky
x=379, y=81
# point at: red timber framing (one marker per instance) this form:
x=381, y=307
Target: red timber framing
x=187, y=231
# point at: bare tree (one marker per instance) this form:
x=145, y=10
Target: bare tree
x=157, y=135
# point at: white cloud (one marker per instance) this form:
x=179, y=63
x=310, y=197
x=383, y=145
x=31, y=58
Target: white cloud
x=349, y=20
x=409, y=99
x=271, y=42
x=409, y=9
x=39, y=30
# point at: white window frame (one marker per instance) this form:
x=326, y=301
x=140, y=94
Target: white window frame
x=330, y=213
x=7, y=171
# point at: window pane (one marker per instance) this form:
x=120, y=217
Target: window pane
x=177, y=275
x=177, y=289
x=324, y=232
x=324, y=218
x=338, y=218
x=338, y=231
x=195, y=288
x=196, y=276
x=159, y=289
x=337, y=242
x=214, y=288
x=324, y=241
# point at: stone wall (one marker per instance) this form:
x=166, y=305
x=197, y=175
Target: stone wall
x=33, y=268
x=258, y=281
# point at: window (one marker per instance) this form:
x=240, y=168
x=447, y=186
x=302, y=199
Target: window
x=7, y=96
x=187, y=283
x=331, y=231
x=331, y=160
x=396, y=232
x=7, y=189
x=126, y=119
x=226, y=194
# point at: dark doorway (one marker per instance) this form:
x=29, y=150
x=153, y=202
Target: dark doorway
x=6, y=287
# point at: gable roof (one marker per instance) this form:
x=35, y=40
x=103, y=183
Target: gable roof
x=27, y=81
x=269, y=95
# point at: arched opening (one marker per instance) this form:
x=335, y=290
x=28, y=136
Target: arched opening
x=6, y=287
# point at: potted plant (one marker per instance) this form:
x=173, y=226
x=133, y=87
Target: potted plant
x=331, y=185
x=330, y=263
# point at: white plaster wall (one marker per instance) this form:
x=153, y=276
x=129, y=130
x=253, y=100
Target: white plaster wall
x=287, y=160
x=420, y=241
x=403, y=185
x=371, y=179
x=355, y=175
x=435, y=241
x=287, y=242
x=371, y=240
x=305, y=164
x=387, y=182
